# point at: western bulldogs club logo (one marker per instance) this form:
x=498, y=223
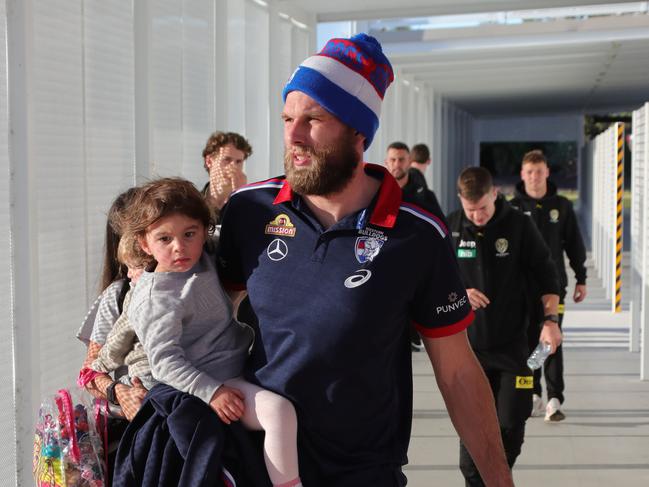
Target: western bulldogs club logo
x=367, y=248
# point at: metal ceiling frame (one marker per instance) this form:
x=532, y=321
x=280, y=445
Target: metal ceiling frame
x=560, y=65
x=342, y=10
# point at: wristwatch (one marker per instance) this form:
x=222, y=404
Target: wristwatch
x=110, y=393
x=553, y=318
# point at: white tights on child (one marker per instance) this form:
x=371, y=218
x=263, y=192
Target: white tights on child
x=274, y=414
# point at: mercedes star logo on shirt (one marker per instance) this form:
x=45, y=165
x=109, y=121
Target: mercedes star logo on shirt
x=277, y=250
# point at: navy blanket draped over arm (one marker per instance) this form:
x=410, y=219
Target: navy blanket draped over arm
x=176, y=440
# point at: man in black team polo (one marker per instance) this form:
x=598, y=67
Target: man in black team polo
x=499, y=249
x=337, y=267
x=555, y=218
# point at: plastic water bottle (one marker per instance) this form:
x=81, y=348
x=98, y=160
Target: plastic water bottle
x=538, y=356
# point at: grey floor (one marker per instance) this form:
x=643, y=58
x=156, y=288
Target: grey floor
x=604, y=440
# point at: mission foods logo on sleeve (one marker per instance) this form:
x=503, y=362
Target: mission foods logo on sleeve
x=281, y=226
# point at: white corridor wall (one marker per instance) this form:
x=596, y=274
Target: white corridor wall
x=7, y=405
x=453, y=150
x=601, y=154
x=639, y=340
x=412, y=113
x=96, y=96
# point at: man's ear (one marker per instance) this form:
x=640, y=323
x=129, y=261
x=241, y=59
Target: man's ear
x=360, y=140
x=208, y=162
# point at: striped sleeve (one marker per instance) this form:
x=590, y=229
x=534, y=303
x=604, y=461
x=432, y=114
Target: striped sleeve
x=107, y=312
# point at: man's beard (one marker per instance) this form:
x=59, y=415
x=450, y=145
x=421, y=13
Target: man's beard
x=398, y=174
x=331, y=168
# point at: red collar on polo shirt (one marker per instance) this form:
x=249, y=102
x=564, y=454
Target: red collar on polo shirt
x=387, y=205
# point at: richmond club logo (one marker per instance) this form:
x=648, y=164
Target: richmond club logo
x=554, y=215
x=501, y=247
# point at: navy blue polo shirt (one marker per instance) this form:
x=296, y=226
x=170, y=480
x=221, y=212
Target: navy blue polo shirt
x=334, y=306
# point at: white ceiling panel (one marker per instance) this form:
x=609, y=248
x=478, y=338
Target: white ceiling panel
x=338, y=10
x=602, y=63
x=594, y=55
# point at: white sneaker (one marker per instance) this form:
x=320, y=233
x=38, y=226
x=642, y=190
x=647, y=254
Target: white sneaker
x=552, y=412
x=417, y=347
x=538, y=407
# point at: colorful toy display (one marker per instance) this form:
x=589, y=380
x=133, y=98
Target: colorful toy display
x=68, y=444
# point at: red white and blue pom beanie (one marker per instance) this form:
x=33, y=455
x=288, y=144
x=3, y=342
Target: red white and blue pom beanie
x=348, y=78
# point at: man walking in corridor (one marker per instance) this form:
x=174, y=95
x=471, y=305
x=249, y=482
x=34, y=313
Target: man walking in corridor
x=328, y=255
x=499, y=251
x=555, y=218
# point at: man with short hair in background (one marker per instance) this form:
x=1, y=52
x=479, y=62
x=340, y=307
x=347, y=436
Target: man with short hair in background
x=419, y=160
x=414, y=190
x=555, y=218
x=223, y=158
